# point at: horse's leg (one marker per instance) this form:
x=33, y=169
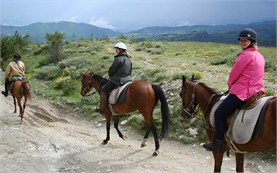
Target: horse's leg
x=143, y=144
x=14, y=102
x=24, y=105
x=218, y=158
x=108, y=126
x=239, y=162
x=116, y=121
x=156, y=139
x=20, y=109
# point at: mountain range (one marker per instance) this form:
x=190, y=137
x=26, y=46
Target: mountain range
x=207, y=33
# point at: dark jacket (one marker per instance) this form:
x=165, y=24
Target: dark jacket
x=121, y=70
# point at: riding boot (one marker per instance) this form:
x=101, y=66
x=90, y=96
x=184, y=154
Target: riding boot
x=103, y=102
x=7, y=88
x=215, y=145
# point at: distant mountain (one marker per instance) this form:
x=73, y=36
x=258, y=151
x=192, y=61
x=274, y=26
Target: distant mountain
x=71, y=30
x=206, y=33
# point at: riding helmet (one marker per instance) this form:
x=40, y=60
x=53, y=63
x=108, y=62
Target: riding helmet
x=120, y=45
x=249, y=34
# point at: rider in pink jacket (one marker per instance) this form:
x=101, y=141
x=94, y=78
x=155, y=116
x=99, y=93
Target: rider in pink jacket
x=246, y=76
x=245, y=79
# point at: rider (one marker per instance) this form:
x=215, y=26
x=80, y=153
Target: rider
x=119, y=72
x=16, y=68
x=245, y=80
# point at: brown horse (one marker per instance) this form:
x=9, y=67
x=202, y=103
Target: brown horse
x=196, y=93
x=20, y=89
x=142, y=96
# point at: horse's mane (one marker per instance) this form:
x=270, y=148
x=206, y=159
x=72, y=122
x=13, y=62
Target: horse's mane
x=208, y=88
x=100, y=79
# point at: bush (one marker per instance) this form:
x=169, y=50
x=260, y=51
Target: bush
x=48, y=72
x=68, y=85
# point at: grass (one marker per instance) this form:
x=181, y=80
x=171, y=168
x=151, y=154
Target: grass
x=162, y=63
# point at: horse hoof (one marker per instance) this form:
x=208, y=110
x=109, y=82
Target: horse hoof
x=143, y=145
x=104, y=142
x=156, y=153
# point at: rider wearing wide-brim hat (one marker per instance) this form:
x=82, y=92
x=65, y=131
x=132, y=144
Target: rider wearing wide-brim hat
x=119, y=73
x=245, y=81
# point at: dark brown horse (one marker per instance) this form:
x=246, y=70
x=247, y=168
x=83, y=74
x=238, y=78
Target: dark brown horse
x=20, y=89
x=142, y=96
x=198, y=94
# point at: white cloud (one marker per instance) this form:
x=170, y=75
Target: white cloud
x=72, y=19
x=100, y=22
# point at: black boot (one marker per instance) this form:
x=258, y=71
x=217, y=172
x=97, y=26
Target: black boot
x=7, y=88
x=5, y=93
x=216, y=145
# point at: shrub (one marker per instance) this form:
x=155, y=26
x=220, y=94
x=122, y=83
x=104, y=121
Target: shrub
x=48, y=72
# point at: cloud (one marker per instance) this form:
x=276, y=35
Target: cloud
x=100, y=22
x=72, y=19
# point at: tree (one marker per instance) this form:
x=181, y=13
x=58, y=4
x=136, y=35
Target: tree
x=55, y=42
x=11, y=45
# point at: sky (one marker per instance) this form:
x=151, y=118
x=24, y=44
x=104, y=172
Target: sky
x=128, y=15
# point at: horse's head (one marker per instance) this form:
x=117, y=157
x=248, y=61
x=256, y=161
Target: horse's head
x=188, y=97
x=90, y=80
x=86, y=80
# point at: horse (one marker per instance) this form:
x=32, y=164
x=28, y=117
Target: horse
x=142, y=96
x=195, y=93
x=20, y=89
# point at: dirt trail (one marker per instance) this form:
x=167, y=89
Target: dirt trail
x=54, y=139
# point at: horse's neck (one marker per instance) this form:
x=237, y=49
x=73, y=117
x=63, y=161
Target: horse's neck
x=205, y=101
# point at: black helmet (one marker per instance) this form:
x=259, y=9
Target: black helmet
x=249, y=34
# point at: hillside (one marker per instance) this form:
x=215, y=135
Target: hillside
x=201, y=33
x=206, y=33
x=72, y=31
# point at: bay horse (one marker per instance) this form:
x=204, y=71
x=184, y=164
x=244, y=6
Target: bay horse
x=195, y=94
x=142, y=96
x=20, y=89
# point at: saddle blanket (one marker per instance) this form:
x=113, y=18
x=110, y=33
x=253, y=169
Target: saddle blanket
x=243, y=122
x=116, y=93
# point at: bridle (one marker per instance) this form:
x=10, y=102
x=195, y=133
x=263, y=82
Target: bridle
x=89, y=86
x=191, y=105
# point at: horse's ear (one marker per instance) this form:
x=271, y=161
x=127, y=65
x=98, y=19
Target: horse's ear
x=192, y=77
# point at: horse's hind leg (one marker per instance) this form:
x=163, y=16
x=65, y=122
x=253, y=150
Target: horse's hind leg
x=156, y=139
x=20, y=109
x=14, y=102
x=116, y=121
x=143, y=144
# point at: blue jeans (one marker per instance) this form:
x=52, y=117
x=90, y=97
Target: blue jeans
x=226, y=108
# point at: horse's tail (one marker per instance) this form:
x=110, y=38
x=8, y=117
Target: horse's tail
x=26, y=90
x=160, y=95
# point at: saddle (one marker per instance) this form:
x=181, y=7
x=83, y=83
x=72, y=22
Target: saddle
x=246, y=123
x=118, y=96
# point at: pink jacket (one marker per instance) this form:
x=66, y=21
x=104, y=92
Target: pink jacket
x=247, y=74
